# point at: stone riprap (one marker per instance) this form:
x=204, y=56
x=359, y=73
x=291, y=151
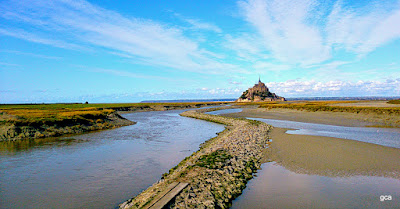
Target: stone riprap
x=218, y=172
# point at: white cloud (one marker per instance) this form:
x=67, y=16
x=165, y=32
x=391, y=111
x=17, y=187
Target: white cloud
x=125, y=73
x=204, y=26
x=21, y=34
x=285, y=31
x=262, y=67
x=31, y=54
x=8, y=64
x=362, y=32
x=246, y=47
x=224, y=92
x=307, y=32
x=296, y=88
x=198, y=24
x=79, y=24
x=120, y=73
x=235, y=82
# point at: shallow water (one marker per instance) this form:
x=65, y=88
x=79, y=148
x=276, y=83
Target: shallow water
x=276, y=187
x=389, y=137
x=99, y=169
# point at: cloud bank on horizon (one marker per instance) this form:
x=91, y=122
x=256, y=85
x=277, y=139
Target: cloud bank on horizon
x=67, y=51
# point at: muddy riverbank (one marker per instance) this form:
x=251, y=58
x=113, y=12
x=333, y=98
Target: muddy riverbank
x=99, y=169
x=21, y=131
x=42, y=122
x=323, y=172
x=320, y=117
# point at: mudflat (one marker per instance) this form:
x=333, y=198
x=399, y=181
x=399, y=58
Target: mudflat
x=366, y=104
x=335, y=168
x=321, y=117
x=328, y=156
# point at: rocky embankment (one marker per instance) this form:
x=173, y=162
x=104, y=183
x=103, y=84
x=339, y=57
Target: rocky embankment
x=218, y=172
x=24, y=130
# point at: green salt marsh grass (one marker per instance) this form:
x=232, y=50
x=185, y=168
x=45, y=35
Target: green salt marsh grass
x=53, y=113
x=329, y=106
x=394, y=102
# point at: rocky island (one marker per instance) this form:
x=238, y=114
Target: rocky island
x=258, y=93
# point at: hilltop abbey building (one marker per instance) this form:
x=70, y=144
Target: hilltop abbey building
x=258, y=93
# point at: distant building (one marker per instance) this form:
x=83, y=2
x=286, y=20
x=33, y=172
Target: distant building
x=258, y=93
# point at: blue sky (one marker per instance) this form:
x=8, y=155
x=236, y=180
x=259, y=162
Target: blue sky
x=129, y=51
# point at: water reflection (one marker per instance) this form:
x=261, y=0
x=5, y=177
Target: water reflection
x=277, y=187
x=321, y=172
x=14, y=147
x=99, y=169
x=383, y=136
x=310, y=171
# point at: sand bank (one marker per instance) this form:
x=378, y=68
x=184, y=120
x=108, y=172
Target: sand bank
x=328, y=156
x=328, y=118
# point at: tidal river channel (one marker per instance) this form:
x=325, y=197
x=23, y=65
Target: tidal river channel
x=297, y=184
x=99, y=169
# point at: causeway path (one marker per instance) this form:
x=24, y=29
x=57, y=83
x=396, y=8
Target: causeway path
x=218, y=171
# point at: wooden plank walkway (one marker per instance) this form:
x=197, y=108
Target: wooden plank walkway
x=167, y=195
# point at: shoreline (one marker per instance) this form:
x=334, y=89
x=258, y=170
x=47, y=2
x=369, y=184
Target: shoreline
x=216, y=187
x=328, y=156
x=13, y=132
x=333, y=157
x=24, y=130
x=319, y=117
x=216, y=173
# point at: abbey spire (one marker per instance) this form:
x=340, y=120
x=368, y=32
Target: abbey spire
x=259, y=92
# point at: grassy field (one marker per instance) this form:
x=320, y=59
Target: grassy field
x=97, y=105
x=54, y=113
x=394, y=102
x=328, y=106
x=18, y=120
x=49, y=114
x=48, y=120
x=376, y=113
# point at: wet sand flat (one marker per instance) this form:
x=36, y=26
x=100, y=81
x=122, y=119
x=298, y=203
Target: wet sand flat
x=277, y=187
x=328, y=156
x=328, y=118
x=323, y=172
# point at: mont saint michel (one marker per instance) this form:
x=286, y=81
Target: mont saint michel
x=259, y=92
x=128, y=105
